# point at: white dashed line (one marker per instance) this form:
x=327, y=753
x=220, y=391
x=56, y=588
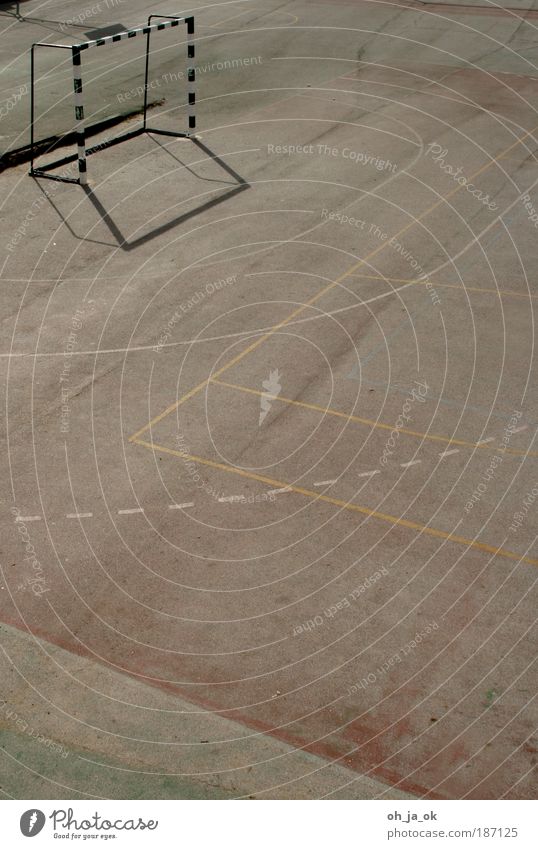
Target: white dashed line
x=180, y=506
x=277, y=491
x=28, y=519
x=325, y=483
x=485, y=441
x=78, y=515
x=132, y=510
x=448, y=453
x=519, y=429
x=369, y=474
x=411, y=463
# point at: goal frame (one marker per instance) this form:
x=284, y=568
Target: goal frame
x=79, y=131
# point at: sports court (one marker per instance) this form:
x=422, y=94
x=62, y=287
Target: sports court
x=270, y=399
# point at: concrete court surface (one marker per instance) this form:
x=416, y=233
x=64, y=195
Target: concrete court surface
x=270, y=467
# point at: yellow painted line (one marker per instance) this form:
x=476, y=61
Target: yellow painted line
x=382, y=425
x=461, y=286
x=242, y=354
x=239, y=357
x=320, y=294
x=347, y=505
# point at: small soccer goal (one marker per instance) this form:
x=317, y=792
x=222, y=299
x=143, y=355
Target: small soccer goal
x=77, y=51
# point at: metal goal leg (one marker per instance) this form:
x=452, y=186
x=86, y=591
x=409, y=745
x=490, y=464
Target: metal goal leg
x=191, y=74
x=79, y=116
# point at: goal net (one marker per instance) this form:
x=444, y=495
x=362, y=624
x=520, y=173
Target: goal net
x=78, y=134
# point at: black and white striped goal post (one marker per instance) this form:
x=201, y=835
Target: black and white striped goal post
x=79, y=133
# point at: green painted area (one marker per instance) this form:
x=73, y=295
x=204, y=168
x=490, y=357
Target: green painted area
x=31, y=770
x=491, y=696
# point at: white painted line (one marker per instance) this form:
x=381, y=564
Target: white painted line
x=485, y=441
x=132, y=510
x=180, y=506
x=78, y=515
x=276, y=491
x=28, y=519
x=325, y=483
x=448, y=453
x=368, y=474
x=519, y=429
x=411, y=463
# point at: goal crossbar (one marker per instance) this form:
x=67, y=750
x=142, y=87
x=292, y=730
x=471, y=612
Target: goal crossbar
x=79, y=128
